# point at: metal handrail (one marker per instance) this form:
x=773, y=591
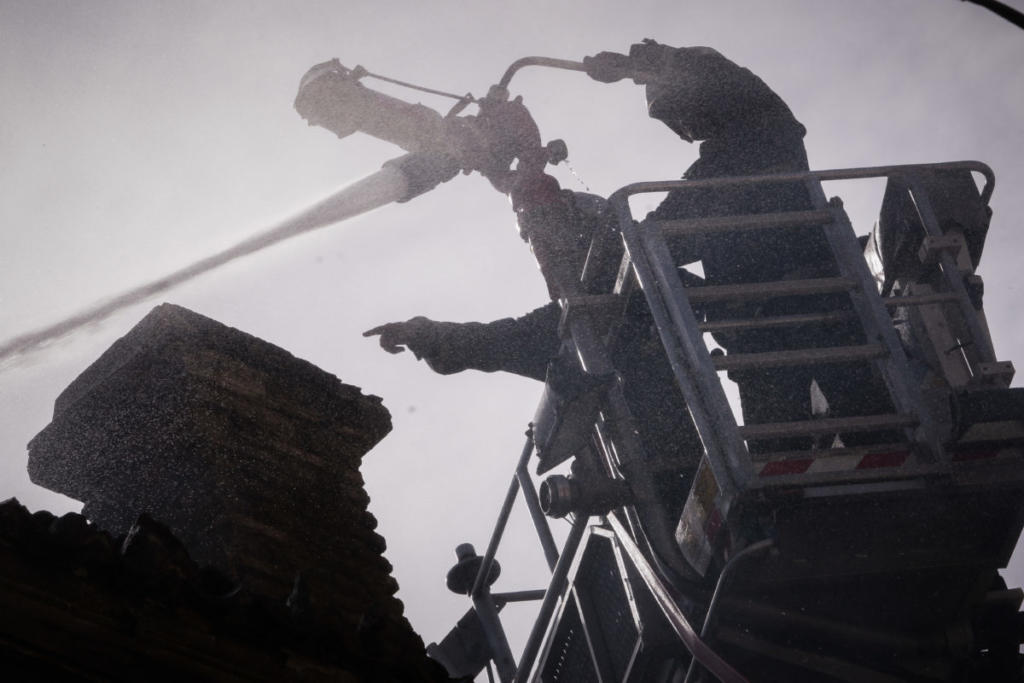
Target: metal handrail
x=751, y=549
x=539, y=521
x=623, y=193
x=485, y=603
x=669, y=607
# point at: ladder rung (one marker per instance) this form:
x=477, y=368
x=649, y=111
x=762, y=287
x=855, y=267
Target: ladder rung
x=826, y=426
x=869, y=449
x=814, y=356
x=774, y=321
x=718, y=224
x=768, y=290
x=920, y=300
x=595, y=303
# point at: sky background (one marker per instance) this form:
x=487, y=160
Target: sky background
x=136, y=137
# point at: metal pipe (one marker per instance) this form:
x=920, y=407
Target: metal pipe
x=551, y=596
x=499, y=526
x=667, y=603
x=726, y=570
x=518, y=596
x=538, y=61
x=501, y=653
x=540, y=520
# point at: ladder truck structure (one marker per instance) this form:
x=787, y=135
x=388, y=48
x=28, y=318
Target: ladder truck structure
x=868, y=553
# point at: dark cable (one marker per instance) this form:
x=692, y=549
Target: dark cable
x=467, y=97
x=1002, y=9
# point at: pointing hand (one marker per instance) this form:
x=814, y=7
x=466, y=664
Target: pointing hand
x=417, y=334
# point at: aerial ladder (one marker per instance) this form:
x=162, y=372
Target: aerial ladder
x=837, y=547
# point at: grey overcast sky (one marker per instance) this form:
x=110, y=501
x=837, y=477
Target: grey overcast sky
x=139, y=136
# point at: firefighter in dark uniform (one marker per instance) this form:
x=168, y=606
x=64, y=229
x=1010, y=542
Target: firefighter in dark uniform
x=744, y=128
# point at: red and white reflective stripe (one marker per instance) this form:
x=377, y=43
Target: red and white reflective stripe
x=833, y=463
x=981, y=452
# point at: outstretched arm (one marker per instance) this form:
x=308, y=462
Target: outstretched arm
x=522, y=346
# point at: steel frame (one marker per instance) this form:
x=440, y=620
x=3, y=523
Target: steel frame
x=697, y=375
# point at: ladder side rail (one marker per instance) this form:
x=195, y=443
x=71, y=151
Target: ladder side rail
x=684, y=346
x=502, y=521
x=703, y=373
x=725, y=460
x=646, y=277
x=951, y=275
x=878, y=324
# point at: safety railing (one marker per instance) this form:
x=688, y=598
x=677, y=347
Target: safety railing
x=697, y=376
x=682, y=334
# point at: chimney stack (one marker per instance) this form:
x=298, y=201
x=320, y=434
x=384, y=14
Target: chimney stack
x=250, y=455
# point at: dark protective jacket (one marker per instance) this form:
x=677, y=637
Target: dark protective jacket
x=744, y=129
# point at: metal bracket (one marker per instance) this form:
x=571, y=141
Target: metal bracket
x=997, y=373
x=932, y=248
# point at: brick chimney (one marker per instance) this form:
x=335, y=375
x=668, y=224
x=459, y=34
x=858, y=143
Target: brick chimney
x=250, y=455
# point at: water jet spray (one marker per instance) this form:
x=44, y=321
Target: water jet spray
x=331, y=96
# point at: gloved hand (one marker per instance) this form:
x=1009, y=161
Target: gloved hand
x=608, y=67
x=647, y=55
x=418, y=334
x=648, y=60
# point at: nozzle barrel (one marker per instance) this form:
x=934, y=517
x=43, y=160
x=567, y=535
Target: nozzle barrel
x=331, y=96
